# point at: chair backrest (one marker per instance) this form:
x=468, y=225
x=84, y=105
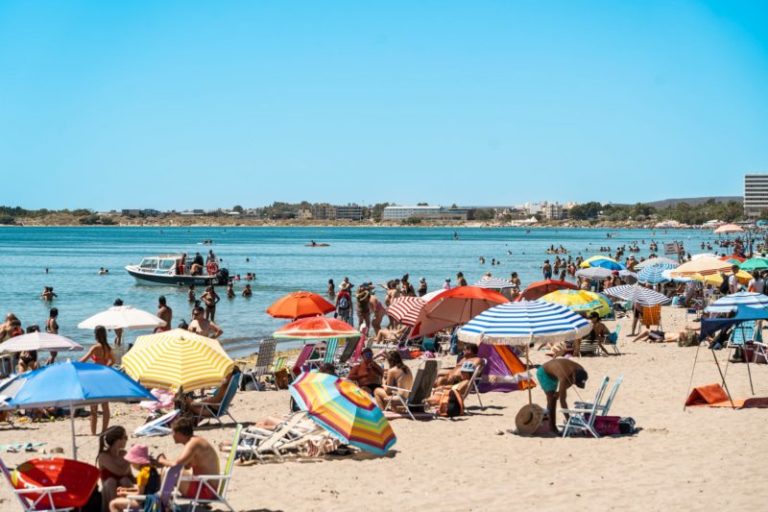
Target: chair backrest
x=423, y=382
x=613, y=338
x=230, y=461
x=229, y=394
x=306, y=351
x=24, y=502
x=266, y=352
x=349, y=349
x=170, y=481
x=743, y=333
x=475, y=377
x=358, y=350
x=612, y=395
x=279, y=363
x=596, y=403
x=330, y=350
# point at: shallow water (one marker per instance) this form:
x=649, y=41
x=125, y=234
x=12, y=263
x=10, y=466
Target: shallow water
x=278, y=257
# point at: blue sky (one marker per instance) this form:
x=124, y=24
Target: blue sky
x=211, y=104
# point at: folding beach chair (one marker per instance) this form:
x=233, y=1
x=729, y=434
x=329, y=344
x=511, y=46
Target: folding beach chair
x=258, y=443
x=221, y=409
x=349, y=349
x=602, y=409
x=301, y=360
x=329, y=357
x=473, y=387
x=583, y=420
x=165, y=495
x=264, y=360
x=208, y=489
x=613, y=340
x=34, y=499
x=158, y=426
x=419, y=392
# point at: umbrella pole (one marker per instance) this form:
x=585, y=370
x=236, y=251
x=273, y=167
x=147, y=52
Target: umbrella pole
x=72, y=424
x=528, y=370
x=725, y=385
x=746, y=355
x=693, y=368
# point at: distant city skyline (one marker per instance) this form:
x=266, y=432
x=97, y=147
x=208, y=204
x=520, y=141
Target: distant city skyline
x=176, y=105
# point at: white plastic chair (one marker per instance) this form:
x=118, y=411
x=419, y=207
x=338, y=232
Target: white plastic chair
x=30, y=503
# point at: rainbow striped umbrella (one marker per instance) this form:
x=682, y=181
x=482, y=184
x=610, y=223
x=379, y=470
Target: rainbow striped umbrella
x=177, y=359
x=344, y=410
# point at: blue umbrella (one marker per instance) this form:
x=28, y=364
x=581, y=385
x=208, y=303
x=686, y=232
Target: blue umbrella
x=71, y=385
x=607, y=264
x=734, y=300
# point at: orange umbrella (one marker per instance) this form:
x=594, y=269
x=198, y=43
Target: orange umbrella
x=300, y=305
x=733, y=257
x=541, y=288
x=316, y=327
x=455, y=307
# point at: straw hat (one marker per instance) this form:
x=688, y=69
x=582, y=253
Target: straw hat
x=528, y=419
x=138, y=454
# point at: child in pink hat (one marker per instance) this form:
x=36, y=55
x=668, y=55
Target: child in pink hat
x=147, y=479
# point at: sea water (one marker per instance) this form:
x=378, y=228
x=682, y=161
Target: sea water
x=279, y=258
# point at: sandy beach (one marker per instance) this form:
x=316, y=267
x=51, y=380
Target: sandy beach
x=697, y=459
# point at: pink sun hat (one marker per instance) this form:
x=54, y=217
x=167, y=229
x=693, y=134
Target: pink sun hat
x=138, y=454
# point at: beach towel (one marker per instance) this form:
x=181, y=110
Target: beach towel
x=713, y=395
x=652, y=315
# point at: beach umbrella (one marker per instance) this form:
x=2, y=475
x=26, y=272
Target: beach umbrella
x=39, y=341
x=523, y=323
x=71, y=384
x=667, y=274
x=716, y=279
x=406, y=309
x=734, y=259
x=734, y=300
x=300, y=304
x=494, y=283
x=659, y=260
x=122, y=317
x=540, y=288
x=176, y=360
x=703, y=255
x=317, y=327
x=344, y=410
x=705, y=265
x=637, y=294
x=594, y=273
x=602, y=262
x=455, y=307
x=729, y=228
x=753, y=264
x=580, y=301
x=653, y=274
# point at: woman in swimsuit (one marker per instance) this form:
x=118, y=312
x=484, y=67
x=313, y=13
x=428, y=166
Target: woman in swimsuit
x=210, y=298
x=114, y=470
x=100, y=353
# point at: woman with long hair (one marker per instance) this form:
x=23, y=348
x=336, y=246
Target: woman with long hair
x=100, y=353
x=398, y=376
x=114, y=470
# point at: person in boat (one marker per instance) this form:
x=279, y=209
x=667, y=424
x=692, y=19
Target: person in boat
x=99, y=353
x=199, y=325
x=313, y=243
x=247, y=291
x=210, y=298
x=165, y=313
x=198, y=456
x=197, y=265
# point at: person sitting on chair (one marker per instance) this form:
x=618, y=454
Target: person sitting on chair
x=367, y=374
x=398, y=376
x=466, y=370
x=599, y=332
x=454, y=375
x=207, y=407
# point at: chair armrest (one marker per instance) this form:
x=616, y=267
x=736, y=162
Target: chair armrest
x=137, y=497
x=576, y=411
x=396, y=388
x=41, y=490
x=201, y=478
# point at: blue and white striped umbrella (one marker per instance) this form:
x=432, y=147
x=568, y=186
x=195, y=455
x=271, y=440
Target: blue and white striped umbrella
x=667, y=274
x=657, y=261
x=637, y=294
x=734, y=300
x=524, y=322
x=494, y=283
x=653, y=274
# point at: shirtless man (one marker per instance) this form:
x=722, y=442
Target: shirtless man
x=555, y=377
x=164, y=313
x=453, y=375
x=198, y=455
x=199, y=325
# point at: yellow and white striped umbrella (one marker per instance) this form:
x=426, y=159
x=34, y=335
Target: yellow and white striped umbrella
x=177, y=359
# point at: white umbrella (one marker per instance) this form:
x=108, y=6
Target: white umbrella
x=39, y=341
x=122, y=317
x=656, y=261
x=494, y=283
x=637, y=294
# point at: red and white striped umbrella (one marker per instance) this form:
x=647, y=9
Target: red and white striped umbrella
x=406, y=309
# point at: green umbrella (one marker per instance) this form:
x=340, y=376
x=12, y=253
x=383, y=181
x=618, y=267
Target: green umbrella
x=753, y=264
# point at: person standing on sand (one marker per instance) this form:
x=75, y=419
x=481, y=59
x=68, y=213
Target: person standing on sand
x=99, y=353
x=555, y=377
x=164, y=313
x=362, y=298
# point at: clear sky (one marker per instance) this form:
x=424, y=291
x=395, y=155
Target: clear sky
x=210, y=104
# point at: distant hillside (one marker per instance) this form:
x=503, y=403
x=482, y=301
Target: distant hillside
x=693, y=201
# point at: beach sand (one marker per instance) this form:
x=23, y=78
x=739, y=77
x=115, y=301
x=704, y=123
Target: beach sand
x=697, y=459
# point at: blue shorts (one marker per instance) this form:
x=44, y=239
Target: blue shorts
x=546, y=381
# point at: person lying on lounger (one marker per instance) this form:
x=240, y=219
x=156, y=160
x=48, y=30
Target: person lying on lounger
x=466, y=369
x=453, y=375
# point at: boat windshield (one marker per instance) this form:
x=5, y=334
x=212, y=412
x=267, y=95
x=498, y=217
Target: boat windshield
x=167, y=264
x=148, y=263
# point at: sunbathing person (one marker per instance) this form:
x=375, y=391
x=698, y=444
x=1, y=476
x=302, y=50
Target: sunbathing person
x=555, y=377
x=206, y=408
x=367, y=374
x=466, y=370
x=598, y=334
x=453, y=375
x=398, y=376
x=390, y=334
x=198, y=456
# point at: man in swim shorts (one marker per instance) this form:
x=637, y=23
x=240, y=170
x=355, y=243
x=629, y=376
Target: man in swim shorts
x=198, y=456
x=555, y=377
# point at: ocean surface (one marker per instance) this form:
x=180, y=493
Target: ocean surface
x=278, y=257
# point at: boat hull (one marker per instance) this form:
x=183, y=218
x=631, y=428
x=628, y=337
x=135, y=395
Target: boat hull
x=173, y=280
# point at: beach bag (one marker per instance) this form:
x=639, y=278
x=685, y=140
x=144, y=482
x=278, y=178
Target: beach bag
x=451, y=404
x=627, y=426
x=607, y=425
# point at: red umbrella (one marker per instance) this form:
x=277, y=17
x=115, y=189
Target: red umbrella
x=455, y=307
x=300, y=305
x=541, y=288
x=406, y=309
x=317, y=327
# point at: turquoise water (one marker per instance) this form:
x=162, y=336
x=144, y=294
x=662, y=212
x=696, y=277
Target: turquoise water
x=278, y=257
